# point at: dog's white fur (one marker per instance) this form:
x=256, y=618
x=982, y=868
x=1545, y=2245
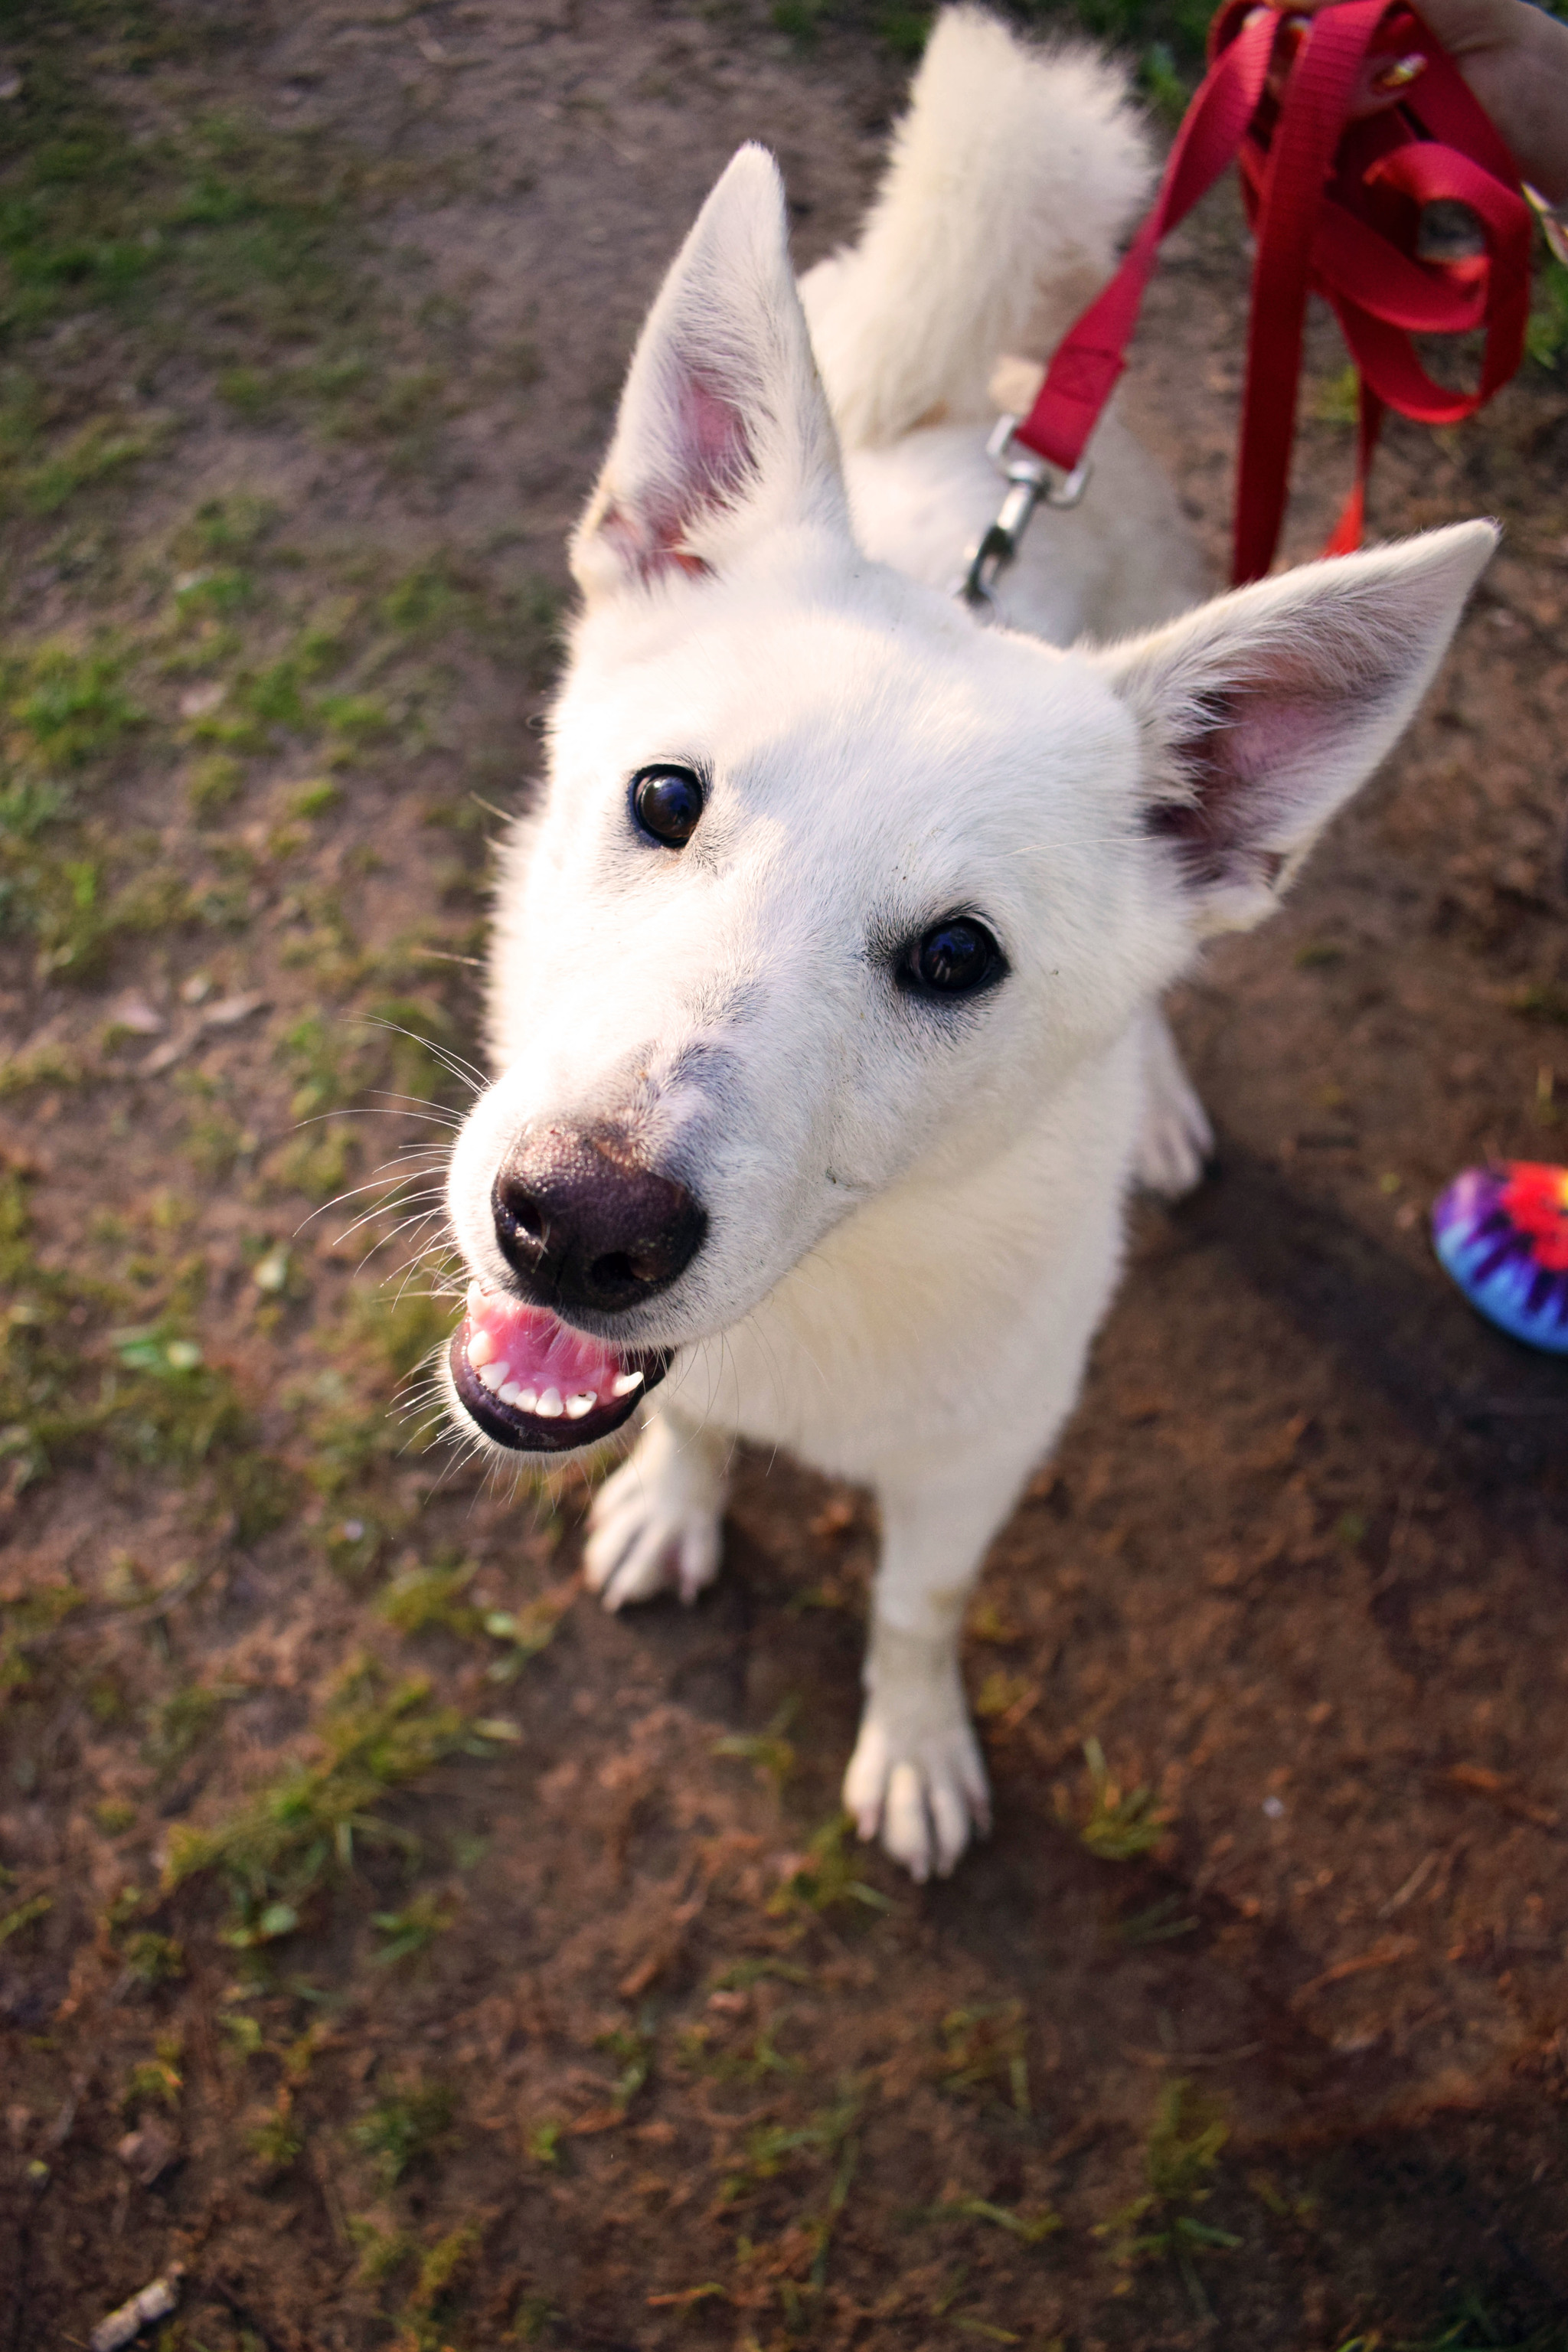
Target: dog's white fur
x=915, y=1209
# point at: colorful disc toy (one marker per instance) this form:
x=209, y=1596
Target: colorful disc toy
x=1502, y=1234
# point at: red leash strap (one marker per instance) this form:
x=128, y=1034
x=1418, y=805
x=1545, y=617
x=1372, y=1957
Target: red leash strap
x=1335, y=205
x=1090, y=356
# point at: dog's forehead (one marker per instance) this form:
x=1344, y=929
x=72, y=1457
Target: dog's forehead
x=860, y=709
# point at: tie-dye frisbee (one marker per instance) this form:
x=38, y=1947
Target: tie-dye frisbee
x=1502, y=1234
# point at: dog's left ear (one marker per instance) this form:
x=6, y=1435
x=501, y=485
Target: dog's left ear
x=723, y=429
x=1263, y=711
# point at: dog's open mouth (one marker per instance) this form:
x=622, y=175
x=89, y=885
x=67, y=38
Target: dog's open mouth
x=534, y=1383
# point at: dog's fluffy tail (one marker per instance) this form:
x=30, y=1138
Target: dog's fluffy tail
x=1009, y=179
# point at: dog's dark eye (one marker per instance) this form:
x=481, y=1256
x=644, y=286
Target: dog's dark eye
x=667, y=803
x=953, y=959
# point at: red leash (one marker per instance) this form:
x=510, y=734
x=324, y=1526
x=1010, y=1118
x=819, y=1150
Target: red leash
x=1335, y=206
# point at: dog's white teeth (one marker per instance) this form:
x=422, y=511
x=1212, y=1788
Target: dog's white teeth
x=511, y=1394
x=494, y=1377
x=625, y=1382
x=481, y=1348
x=527, y=1400
x=550, y=1407
x=476, y=1297
x=576, y=1406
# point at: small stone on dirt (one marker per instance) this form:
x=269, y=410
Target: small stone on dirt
x=228, y=1009
x=154, y=2301
x=134, y=1013
x=149, y=2151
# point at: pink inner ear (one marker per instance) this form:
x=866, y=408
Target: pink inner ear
x=713, y=457
x=1246, y=737
x=719, y=453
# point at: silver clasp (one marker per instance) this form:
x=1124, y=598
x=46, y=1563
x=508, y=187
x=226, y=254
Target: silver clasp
x=1031, y=481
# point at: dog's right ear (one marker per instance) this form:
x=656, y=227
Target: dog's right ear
x=723, y=430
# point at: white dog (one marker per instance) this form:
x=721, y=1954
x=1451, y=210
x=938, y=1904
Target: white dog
x=824, y=998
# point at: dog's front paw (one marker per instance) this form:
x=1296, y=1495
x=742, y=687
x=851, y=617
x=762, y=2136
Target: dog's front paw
x=655, y=1525
x=1176, y=1142
x=916, y=1775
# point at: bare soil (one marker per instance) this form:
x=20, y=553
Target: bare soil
x=411, y=1952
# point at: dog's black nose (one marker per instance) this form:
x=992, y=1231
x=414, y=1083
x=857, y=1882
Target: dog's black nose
x=582, y=1221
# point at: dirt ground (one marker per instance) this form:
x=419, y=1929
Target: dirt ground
x=414, y=1953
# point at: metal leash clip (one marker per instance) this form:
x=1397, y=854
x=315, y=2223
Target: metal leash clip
x=1031, y=481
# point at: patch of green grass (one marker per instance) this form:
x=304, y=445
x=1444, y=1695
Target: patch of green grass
x=1122, y=1824
x=318, y=1166
x=179, y=1724
x=772, y=2148
x=823, y=1877
x=229, y=527
x=64, y=716
x=985, y=2052
x=761, y=2059
x=28, y=807
x=413, y=1930
x=45, y=1065
x=420, y=1035
x=633, y=2047
x=325, y=1065
x=68, y=707
x=300, y=1828
x=32, y=1615
x=244, y=2035
x=1543, y=1001
x=157, y=2081
x=769, y=1752
x=382, y=2253
x=523, y=1632
x=25, y=1915
x=1546, y=337
x=218, y=225
x=428, y=601
x=901, y=30
x=275, y=2140
x=93, y=454
x=1159, y=1923
x=419, y=1598
x=153, y=1959
x=77, y=917
x=405, y=2128
x=828, y=2143
x=1029, y=2229
x=440, y=2269
x=350, y=1449
x=397, y=1329
x=1185, y=2139
x=319, y=797
x=1337, y=402
x=216, y=781
x=154, y=1401
x=214, y=1141
x=742, y=1974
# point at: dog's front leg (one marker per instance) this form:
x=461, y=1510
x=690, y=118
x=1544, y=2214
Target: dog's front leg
x=916, y=1773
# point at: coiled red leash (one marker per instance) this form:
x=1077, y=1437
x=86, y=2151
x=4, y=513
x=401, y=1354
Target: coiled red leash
x=1335, y=201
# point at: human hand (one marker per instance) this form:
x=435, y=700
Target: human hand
x=1515, y=58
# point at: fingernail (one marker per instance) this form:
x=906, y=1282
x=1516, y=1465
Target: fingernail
x=1400, y=75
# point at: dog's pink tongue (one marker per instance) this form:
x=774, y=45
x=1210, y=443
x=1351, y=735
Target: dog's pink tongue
x=528, y=1359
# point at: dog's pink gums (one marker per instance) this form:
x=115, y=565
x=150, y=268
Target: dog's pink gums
x=528, y=1359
